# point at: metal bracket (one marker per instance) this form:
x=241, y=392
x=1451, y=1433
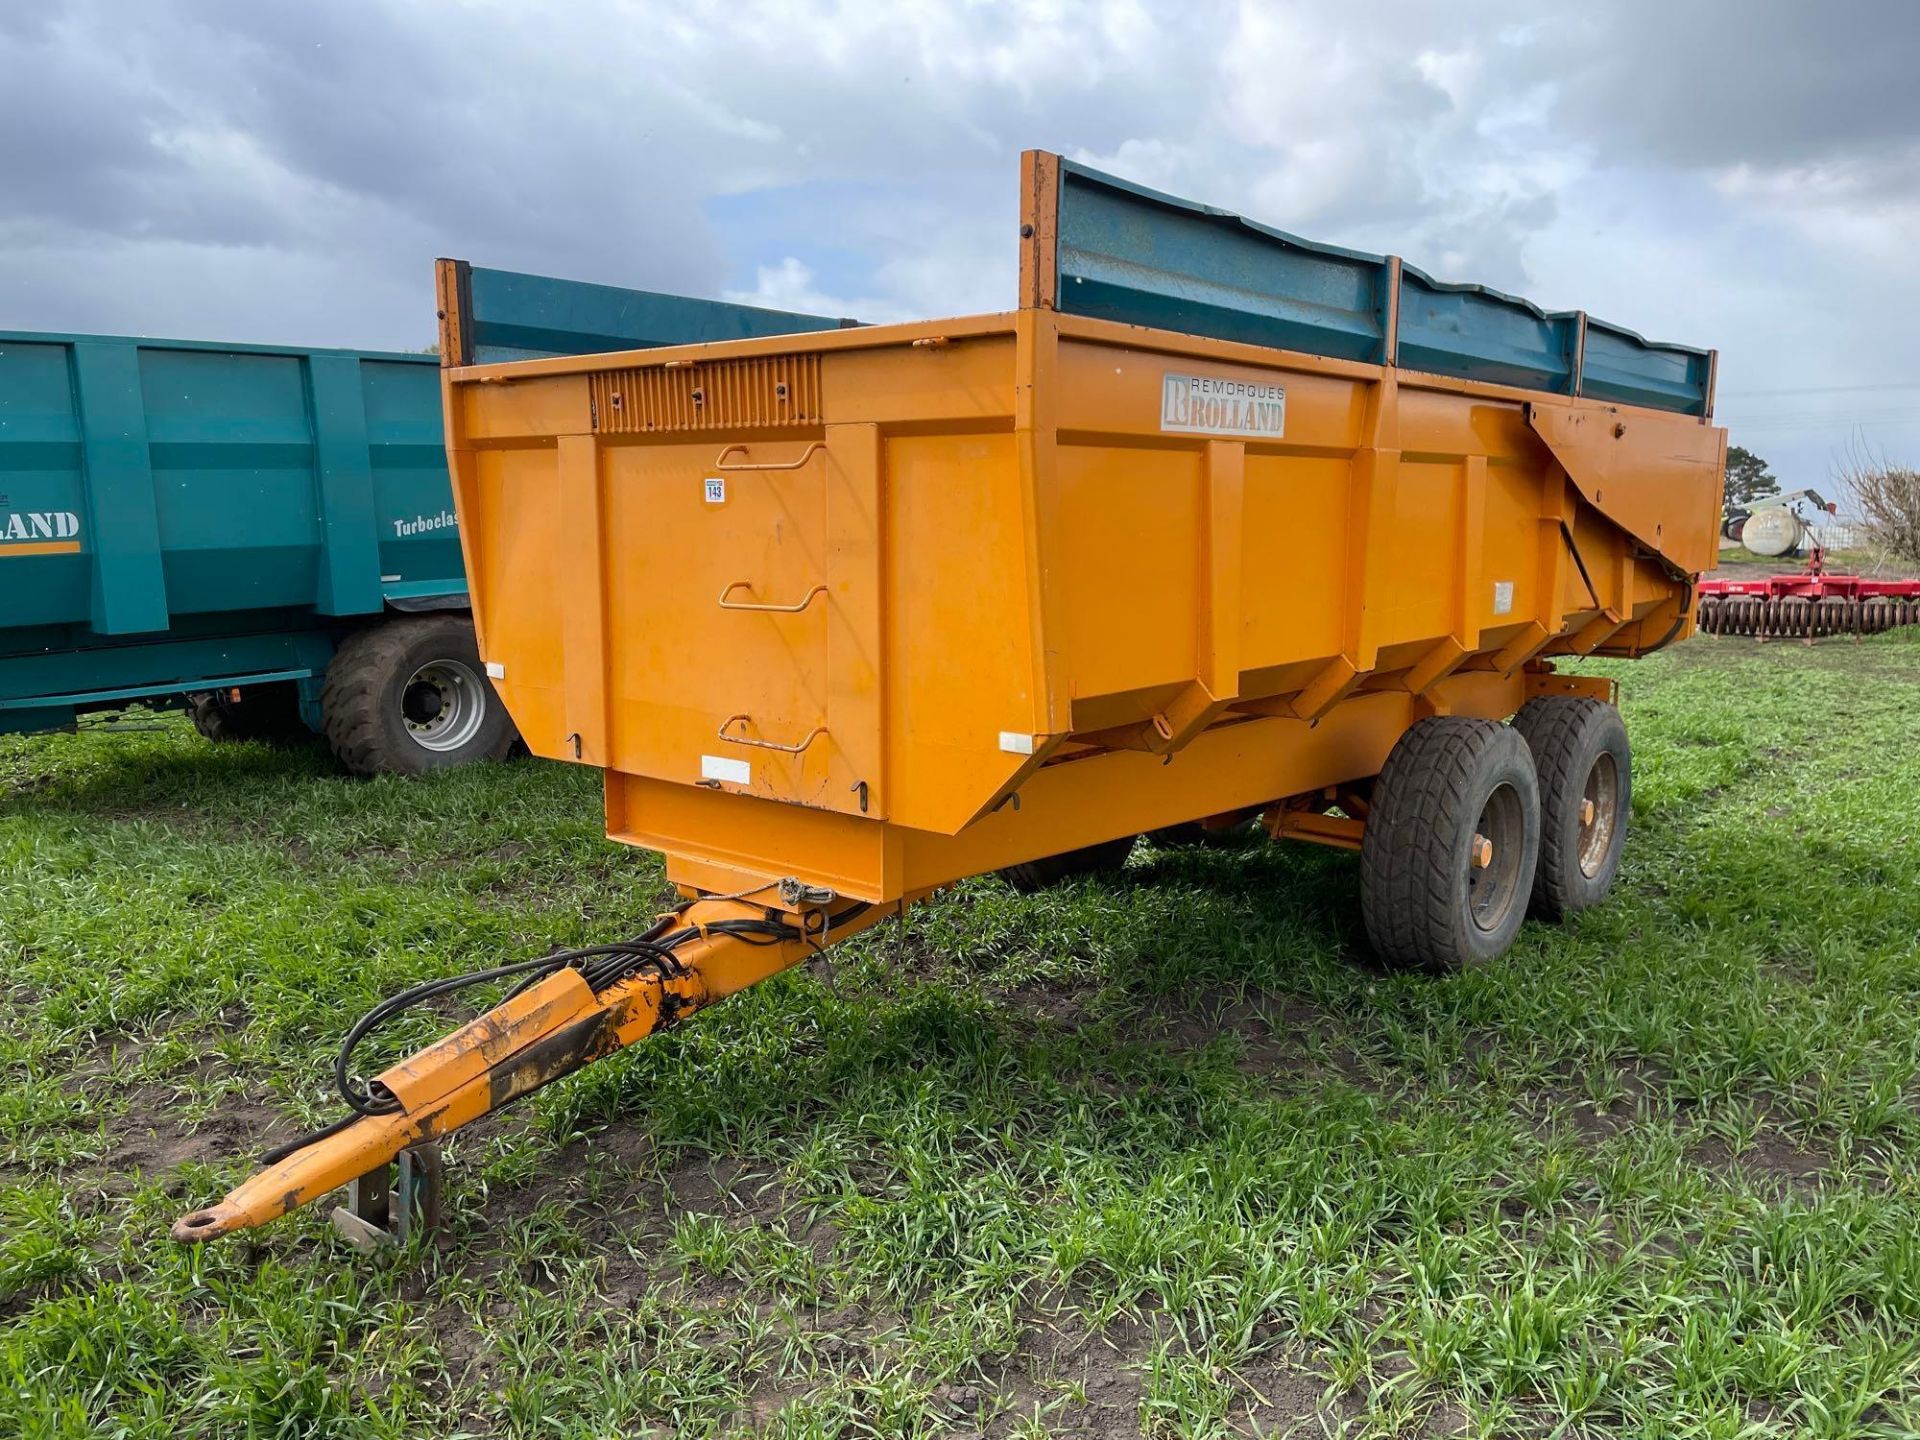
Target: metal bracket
x=388, y=1206
x=1339, y=831
x=1585, y=687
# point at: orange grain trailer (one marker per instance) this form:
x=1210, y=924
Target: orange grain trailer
x=1217, y=524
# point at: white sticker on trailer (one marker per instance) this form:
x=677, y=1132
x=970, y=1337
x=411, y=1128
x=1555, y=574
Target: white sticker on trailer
x=1503, y=597
x=1216, y=405
x=717, y=490
x=718, y=767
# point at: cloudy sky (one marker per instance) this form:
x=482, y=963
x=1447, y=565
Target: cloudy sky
x=1742, y=174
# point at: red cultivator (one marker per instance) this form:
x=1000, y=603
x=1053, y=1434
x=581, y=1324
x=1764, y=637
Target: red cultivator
x=1807, y=606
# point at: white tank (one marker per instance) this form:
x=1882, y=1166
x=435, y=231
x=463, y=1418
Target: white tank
x=1773, y=531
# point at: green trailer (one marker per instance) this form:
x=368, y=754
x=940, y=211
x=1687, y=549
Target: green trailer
x=264, y=535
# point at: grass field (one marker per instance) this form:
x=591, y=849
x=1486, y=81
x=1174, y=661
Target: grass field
x=1159, y=1155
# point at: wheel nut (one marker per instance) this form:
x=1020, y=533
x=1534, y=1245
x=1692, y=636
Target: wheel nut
x=1482, y=852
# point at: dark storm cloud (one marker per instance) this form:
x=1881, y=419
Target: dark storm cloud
x=350, y=140
x=398, y=109
x=79, y=125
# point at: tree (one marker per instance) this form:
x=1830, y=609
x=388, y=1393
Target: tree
x=1889, y=500
x=1748, y=477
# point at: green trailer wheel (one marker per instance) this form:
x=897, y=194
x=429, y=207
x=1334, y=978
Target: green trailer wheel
x=411, y=695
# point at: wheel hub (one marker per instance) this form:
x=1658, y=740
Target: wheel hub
x=443, y=705
x=1493, y=859
x=1599, y=814
x=421, y=704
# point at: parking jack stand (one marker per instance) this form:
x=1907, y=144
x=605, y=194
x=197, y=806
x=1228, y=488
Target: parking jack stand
x=389, y=1205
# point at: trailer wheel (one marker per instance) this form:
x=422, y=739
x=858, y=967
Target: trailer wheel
x=411, y=695
x=1585, y=764
x=1451, y=841
x=269, y=713
x=1032, y=875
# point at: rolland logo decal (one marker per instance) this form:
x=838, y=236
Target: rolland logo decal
x=29, y=525
x=1216, y=405
x=422, y=524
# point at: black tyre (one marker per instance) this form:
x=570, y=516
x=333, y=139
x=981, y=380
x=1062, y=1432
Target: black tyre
x=411, y=695
x=1032, y=875
x=1452, y=838
x=268, y=713
x=1585, y=765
